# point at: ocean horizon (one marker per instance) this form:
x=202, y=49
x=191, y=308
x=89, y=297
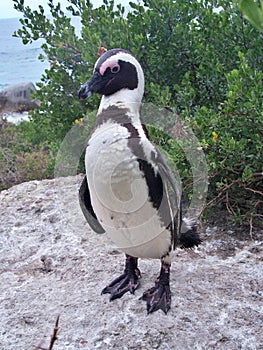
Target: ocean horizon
x=18, y=62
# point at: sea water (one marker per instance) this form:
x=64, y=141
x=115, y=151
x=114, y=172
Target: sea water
x=18, y=62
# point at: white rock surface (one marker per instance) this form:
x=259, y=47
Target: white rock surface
x=52, y=264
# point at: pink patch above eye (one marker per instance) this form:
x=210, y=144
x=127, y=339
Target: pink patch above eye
x=106, y=65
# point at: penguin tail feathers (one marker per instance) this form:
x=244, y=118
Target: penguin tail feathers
x=189, y=237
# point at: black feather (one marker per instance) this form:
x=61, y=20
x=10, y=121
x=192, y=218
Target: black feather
x=190, y=238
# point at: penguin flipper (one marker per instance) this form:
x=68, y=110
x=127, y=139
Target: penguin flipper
x=173, y=194
x=184, y=230
x=86, y=207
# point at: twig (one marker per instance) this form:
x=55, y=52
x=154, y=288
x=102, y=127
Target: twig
x=226, y=188
x=251, y=219
x=69, y=46
x=54, y=335
x=39, y=347
x=53, y=338
x=254, y=191
x=251, y=227
x=228, y=206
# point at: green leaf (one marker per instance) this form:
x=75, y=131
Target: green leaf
x=204, y=65
x=253, y=13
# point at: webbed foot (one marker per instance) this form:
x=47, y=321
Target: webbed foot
x=127, y=282
x=159, y=296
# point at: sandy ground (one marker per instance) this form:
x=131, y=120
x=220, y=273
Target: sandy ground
x=52, y=264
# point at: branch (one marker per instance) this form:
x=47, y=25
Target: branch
x=251, y=227
x=222, y=192
x=68, y=46
x=228, y=206
x=254, y=191
x=53, y=338
x=54, y=335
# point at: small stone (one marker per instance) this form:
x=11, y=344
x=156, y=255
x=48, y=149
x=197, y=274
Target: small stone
x=47, y=263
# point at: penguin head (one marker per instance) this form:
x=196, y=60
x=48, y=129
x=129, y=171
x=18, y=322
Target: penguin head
x=117, y=70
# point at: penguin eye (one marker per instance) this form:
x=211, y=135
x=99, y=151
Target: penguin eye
x=115, y=69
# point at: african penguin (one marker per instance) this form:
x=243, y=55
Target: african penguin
x=129, y=190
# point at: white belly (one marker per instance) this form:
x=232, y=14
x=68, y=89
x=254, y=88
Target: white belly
x=119, y=195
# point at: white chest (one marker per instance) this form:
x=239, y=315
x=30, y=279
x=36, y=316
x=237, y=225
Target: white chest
x=112, y=169
x=119, y=194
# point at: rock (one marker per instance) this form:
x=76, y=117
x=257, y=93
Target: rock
x=17, y=98
x=52, y=264
x=14, y=117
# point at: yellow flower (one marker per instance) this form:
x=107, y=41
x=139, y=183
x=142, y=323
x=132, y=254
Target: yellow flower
x=215, y=136
x=79, y=121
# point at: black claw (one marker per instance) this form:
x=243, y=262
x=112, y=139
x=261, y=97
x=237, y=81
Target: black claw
x=127, y=282
x=159, y=296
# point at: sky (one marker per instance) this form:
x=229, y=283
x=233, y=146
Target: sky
x=7, y=6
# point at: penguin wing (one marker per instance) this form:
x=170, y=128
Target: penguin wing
x=86, y=207
x=184, y=231
x=172, y=193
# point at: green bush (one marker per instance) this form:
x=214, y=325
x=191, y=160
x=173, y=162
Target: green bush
x=201, y=59
x=232, y=139
x=21, y=160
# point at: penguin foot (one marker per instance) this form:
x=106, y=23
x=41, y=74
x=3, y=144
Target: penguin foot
x=159, y=296
x=127, y=282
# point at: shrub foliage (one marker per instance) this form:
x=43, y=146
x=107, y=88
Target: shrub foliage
x=201, y=59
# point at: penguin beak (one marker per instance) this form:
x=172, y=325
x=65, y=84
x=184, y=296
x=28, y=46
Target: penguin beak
x=84, y=91
x=91, y=86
